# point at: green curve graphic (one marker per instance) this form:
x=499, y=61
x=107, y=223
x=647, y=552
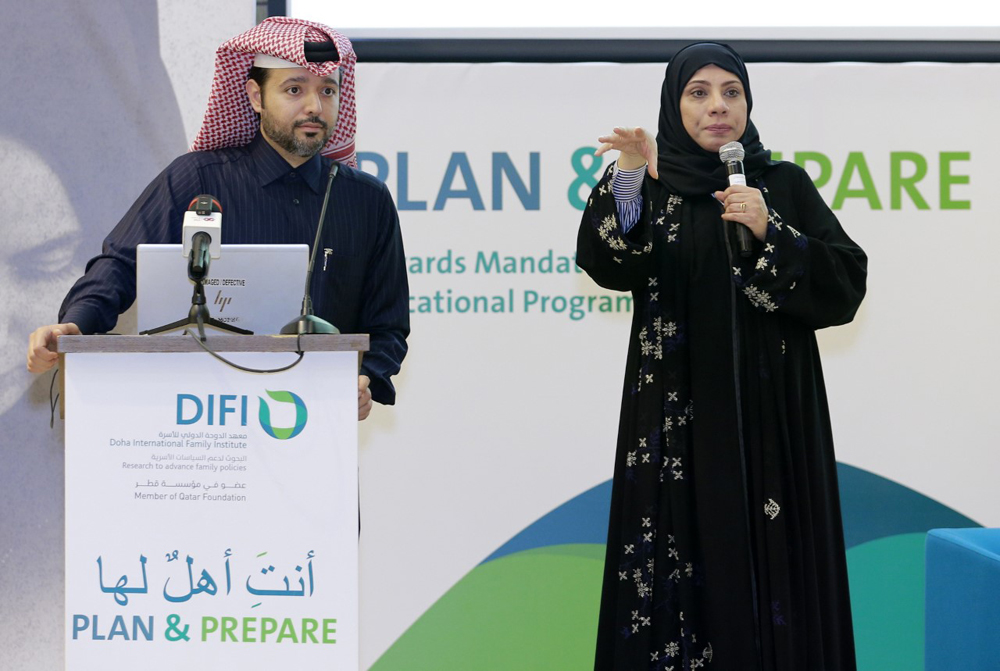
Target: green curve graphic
x=283, y=433
x=536, y=610
x=887, y=602
x=533, y=603
x=532, y=611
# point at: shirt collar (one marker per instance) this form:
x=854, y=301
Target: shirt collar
x=272, y=167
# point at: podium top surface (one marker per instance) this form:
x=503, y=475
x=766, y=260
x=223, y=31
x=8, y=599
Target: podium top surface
x=70, y=344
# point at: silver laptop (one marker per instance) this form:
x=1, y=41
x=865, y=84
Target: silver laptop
x=254, y=287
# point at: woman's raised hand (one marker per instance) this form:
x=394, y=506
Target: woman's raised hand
x=637, y=148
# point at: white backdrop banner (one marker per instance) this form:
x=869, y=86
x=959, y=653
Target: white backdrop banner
x=483, y=491
x=134, y=81
x=509, y=398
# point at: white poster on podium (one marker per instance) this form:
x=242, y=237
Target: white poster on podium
x=211, y=514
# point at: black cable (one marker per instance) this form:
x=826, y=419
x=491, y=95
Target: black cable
x=737, y=387
x=244, y=368
x=53, y=401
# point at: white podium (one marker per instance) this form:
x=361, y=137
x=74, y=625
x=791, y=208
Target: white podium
x=211, y=513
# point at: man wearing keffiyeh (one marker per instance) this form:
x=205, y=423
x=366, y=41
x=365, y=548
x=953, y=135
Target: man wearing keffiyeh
x=280, y=112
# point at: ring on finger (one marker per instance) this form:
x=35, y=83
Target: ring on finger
x=743, y=207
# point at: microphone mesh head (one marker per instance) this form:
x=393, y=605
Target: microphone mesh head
x=731, y=151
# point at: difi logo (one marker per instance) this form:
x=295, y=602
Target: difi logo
x=301, y=415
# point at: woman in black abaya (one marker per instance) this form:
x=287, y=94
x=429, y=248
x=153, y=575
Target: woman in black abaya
x=725, y=546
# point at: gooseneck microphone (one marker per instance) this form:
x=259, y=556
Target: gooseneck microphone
x=307, y=322
x=732, y=155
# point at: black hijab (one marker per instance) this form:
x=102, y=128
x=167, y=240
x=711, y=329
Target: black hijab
x=685, y=168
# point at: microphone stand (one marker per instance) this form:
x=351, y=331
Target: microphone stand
x=307, y=322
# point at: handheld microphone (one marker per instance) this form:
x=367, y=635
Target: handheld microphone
x=202, y=235
x=732, y=155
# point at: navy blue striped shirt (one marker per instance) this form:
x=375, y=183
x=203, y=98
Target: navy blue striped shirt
x=361, y=287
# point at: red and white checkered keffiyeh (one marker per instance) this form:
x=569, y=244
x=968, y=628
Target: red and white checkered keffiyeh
x=230, y=121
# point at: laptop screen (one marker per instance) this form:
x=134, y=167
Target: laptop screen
x=254, y=287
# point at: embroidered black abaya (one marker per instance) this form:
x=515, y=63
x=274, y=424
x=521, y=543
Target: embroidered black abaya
x=725, y=546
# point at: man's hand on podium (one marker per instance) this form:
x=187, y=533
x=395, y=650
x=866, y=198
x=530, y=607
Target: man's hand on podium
x=42, y=346
x=364, y=397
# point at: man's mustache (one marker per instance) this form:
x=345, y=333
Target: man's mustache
x=313, y=120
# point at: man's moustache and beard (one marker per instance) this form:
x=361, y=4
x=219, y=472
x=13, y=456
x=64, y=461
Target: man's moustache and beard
x=290, y=142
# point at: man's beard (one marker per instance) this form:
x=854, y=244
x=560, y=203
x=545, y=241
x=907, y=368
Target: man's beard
x=287, y=140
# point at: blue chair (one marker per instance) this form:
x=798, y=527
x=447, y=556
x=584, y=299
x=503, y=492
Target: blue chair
x=962, y=625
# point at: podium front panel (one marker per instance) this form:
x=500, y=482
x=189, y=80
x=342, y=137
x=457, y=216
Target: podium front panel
x=211, y=514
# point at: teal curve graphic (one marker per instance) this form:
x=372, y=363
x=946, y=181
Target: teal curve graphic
x=532, y=604
x=301, y=415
